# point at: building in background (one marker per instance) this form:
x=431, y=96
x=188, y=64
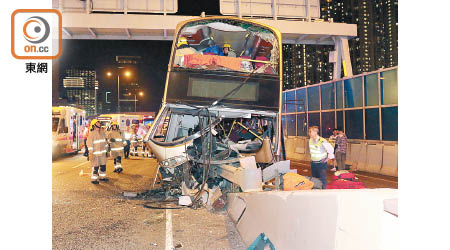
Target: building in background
x=306, y=64
x=375, y=47
x=80, y=87
x=127, y=67
x=129, y=86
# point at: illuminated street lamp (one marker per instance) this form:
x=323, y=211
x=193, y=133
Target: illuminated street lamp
x=127, y=74
x=135, y=98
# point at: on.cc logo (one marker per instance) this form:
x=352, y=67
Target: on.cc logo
x=36, y=29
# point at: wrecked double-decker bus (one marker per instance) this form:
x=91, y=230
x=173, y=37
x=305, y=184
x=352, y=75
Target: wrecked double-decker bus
x=220, y=120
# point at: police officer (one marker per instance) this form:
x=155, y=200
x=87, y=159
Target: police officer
x=116, y=142
x=97, y=146
x=321, y=152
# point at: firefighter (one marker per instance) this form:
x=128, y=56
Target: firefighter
x=126, y=149
x=147, y=149
x=133, y=140
x=228, y=51
x=141, y=134
x=116, y=142
x=97, y=146
x=183, y=48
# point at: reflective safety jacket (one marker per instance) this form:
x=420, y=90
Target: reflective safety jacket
x=317, y=150
x=97, y=146
x=133, y=137
x=116, y=141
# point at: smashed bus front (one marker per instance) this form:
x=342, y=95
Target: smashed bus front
x=222, y=103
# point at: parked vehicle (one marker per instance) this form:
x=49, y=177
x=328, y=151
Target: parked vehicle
x=68, y=125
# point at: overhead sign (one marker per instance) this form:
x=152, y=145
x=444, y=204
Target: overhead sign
x=271, y=8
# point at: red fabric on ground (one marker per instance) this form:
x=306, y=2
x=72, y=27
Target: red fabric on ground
x=343, y=184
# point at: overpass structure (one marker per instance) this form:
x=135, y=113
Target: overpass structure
x=156, y=20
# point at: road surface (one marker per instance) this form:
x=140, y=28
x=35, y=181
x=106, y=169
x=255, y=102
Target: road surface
x=88, y=216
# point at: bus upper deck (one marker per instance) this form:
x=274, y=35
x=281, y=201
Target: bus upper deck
x=212, y=56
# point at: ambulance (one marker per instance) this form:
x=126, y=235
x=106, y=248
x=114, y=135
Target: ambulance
x=68, y=124
x=124, y=120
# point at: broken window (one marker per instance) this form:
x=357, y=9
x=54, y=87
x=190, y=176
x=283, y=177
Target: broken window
x=163, y=125
x=227, y=45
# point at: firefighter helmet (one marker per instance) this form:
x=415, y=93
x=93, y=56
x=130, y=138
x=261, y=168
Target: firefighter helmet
x=115, y=124
x=182, y=41
x=93, y=122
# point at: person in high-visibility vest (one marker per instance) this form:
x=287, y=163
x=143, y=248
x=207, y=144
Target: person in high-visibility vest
x=97, y=146
x=321, y=151
x=116, y=141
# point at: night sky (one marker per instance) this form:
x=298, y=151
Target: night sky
x=100, y=55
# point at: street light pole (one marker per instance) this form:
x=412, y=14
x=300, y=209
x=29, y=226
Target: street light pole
x=135, y=100
x=127, y=73
x=118, y=93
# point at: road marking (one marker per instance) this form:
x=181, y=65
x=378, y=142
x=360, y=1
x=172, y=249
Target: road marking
x=81, y=164
x=169, y=236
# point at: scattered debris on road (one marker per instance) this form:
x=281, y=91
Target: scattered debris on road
x=130, y=194
x=184, y=200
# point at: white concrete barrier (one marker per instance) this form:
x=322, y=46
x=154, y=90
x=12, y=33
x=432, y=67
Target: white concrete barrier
x=390, y=160
x=317, y=219
x=374, y=158
x=379, y=157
